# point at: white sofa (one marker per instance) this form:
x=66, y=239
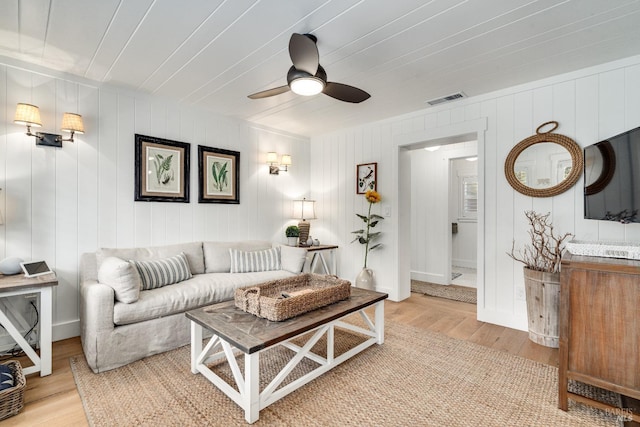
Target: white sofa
x=115, y=333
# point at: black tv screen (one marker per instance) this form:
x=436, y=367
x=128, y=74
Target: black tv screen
x=612, y=178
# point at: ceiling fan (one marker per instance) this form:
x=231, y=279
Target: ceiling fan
x=307, y=77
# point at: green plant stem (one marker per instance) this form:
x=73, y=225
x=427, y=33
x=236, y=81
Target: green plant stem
x=366, y=248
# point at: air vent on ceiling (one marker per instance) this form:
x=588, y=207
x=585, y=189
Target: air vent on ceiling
x=447, y=98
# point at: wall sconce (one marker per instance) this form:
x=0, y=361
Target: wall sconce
x=274, y=166
x=29, y=115
x=303, y=210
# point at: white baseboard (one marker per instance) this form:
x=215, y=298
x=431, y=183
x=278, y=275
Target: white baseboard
x=61, y=331
x=393, y=296
x=429, y=277
x=512, y=321
x=7, y=342
x=64, y=330
x=466, y=263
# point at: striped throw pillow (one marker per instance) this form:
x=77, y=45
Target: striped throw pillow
x=161, y=272
x=248, y=262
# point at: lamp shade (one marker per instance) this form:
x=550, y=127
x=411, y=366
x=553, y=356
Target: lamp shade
x=286, y=160
x=304, y=209
x=27, y=114
x=272, y=157
x=72, y=123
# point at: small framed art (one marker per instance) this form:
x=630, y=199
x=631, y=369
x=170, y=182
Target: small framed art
x=366, y=177
x=219, y=175
x=162, y=170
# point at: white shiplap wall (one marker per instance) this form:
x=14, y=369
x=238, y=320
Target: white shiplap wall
x=589, y=104
x=59, y=203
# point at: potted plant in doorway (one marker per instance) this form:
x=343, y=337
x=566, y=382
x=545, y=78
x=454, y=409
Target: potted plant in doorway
x=292, y=232
x=541, y=259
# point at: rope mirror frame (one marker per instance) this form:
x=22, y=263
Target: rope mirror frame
x=577, y=162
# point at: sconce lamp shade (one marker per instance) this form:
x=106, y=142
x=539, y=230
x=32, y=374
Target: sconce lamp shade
x=304, y=209
x=27, y=114
x=286, y=160
x=272, y=157
x=72, y=123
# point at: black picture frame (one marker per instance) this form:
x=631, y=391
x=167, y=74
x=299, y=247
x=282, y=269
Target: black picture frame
x=366, y=177
x=218, y=175
x=161, y=170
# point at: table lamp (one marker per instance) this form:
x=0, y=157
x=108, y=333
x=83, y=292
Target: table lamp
x=303, y=210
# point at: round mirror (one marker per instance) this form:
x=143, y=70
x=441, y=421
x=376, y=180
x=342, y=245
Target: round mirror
x=544, y=165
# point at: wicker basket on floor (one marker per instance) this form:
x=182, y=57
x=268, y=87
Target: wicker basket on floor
x=12, y=399
x=266, y=300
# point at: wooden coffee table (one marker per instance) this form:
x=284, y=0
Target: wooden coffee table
x=234, y=328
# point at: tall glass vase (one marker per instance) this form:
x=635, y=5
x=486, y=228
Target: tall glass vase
x=365, y=279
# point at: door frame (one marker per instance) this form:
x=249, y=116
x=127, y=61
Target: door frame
x=404, y=143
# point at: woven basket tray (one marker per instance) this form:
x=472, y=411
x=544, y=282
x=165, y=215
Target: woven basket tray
x=12, y=399
x=266, y=300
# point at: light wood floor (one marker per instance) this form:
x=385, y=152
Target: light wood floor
x=54, y=401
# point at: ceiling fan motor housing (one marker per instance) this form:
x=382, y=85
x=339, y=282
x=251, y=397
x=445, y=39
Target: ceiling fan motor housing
x=294, y=74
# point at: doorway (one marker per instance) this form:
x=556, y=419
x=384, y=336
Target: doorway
x=444, y=195
x=405, y=144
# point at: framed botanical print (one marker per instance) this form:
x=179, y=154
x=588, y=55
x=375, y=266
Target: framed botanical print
x=366, y=177
x=162, y=170
x=219, y=175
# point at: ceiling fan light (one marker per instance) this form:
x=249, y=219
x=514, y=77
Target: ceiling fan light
x=307, y=86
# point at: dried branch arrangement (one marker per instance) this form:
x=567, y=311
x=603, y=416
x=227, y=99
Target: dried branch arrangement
x=545, y=251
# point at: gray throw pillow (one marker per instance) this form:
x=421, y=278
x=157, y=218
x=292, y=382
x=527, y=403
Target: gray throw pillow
x=161, y=272
x=249, y=262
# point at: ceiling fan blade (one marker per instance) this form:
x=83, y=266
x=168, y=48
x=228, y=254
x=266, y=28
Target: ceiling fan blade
x=270, y=92
x=345, y=93
x=304, y=53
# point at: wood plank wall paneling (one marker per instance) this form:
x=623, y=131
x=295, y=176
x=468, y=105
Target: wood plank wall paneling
x=58, y=203
x=589, y=105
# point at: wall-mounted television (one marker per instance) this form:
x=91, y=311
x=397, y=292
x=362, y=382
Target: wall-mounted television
x=612, y=178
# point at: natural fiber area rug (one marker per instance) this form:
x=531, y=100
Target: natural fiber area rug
x=454, y=292
x=416, y=378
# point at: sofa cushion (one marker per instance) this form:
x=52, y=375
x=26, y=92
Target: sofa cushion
x=200, y=290
x=193, y=251
x=216, y=254
x=249, y=262
x=161, y=272
x=293, y=258
x=122, y=277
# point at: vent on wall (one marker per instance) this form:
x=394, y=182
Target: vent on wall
x=447, y=98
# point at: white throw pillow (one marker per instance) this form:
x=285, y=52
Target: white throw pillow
x=249, y=262
x=122, y=277
x=293, y=258
x=161, y=272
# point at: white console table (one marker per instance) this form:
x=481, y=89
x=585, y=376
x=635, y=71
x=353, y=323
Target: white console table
x=19, y=285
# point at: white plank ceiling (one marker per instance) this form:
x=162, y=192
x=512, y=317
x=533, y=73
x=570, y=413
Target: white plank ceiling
x=213, y=53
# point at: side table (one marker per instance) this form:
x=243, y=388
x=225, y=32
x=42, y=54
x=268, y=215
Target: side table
x=19, y=285
x=318, y=254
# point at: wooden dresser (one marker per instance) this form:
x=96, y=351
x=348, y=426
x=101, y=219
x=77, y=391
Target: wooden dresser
x=599, y=326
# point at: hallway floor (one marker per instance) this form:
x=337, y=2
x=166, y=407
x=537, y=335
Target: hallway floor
x=467, y=277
